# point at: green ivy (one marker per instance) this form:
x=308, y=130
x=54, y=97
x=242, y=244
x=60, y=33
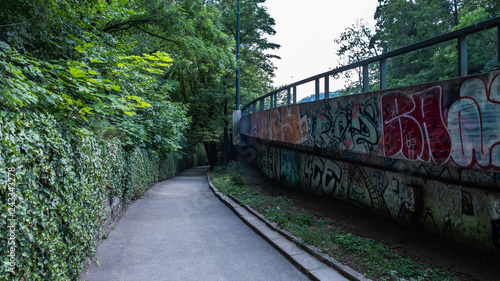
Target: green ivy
x=62, y=179
x=82, y=118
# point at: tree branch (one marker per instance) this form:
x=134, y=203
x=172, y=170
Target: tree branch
x=156, y=35
x=124, y=25
x=5, y=25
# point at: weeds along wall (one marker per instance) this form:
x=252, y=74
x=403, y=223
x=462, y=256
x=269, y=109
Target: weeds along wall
x=425, y=155
x=54, y=188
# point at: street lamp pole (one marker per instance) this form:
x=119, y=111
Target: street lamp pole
x=238, y=58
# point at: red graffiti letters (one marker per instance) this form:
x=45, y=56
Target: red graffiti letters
x=413, y=126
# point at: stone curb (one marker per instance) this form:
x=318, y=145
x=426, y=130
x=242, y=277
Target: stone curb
x=308, y=259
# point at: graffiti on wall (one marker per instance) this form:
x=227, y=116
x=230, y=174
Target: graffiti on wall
x=352, y=126
x=321, y=175
x=360, y=188
x=413, y=126
x=288, y=167
x=461, y=127
x=279, y=124
x=275, y=120
x=473, y=121
x=294, y=127
x=443, y=139
x=446, y=209
x=495, y=223
x=263, y=124
x=394, y=197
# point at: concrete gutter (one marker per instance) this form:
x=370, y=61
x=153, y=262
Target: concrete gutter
x=308, y=259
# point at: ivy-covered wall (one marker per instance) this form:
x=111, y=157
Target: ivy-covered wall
x=55, y=182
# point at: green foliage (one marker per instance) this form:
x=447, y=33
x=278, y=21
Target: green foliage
x=401, y=23
x=211, y=95
x=356, y=44
x=80, y=94
x=426, y=19
x=256, y=68
x=482, y=54
x=229, y=181
x=62, y=179
x=59, y=198
x=277, y=215
x=92, y=106
x=85, y=114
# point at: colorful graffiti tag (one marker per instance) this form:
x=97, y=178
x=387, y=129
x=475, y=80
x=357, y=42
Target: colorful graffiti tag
x=288, y=167
x=428, y=155
x=352, y=126
x=474, y=124
x=322, y=176
x=413, y=126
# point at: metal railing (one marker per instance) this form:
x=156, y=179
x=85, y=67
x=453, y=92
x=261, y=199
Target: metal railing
x=288, y=94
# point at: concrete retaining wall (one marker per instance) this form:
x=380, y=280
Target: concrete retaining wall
x=424, y=155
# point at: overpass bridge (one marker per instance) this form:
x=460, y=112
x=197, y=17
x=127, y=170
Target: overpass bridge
x=424, y=155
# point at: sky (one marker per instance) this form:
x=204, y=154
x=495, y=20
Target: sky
x=306, y=30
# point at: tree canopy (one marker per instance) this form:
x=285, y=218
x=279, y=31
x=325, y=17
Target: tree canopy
x=102, y=98
x=151, y=73
x=401, y=23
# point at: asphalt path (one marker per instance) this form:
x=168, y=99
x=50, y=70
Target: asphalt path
x=179, y=230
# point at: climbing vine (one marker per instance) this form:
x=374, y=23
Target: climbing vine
x=62, y=177
x=74, y=132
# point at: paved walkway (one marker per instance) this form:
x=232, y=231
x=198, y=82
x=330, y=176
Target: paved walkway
x=179, y=230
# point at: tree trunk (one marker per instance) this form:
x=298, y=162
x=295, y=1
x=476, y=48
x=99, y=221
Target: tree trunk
x=211, y=151
x=455, y=13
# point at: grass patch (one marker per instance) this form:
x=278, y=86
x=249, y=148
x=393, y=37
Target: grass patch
x=375, y=259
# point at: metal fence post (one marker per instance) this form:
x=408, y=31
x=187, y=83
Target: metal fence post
x=462, y=56
x=383, y=74
x=498, y=46
x=327, y=86
x=316, y=89
x=294, y=94
x=366, y=80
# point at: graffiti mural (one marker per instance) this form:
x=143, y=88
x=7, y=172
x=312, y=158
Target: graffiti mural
x=474, y=124
x=352, y=127
x=413, y=126
x=263, y=124
x=360, y=188
x=425, y=155
x=294, y=127
x=394, y=198
x=275, y=122
x=322, y=176
x=495, y=223
x=288, y=167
